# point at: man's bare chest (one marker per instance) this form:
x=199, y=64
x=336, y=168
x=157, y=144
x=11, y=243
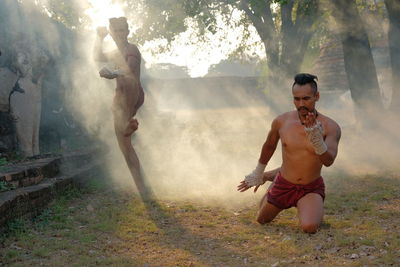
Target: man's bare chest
x=293, y=137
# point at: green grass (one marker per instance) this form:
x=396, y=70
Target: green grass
x=4, y=186
x=3, y=161
x=99, y=226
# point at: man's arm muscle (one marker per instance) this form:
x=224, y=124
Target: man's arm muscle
x=98, y=46
x=133, y=59
x=270, y=144
x=332, y=141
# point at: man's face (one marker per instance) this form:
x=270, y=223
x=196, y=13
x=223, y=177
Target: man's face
x=304, y=98
x=119, y=33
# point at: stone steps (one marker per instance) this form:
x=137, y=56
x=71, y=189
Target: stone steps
x=72, y=169
x=30, y=172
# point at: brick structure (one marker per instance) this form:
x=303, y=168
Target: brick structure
x=37, y=182
x=7, y=133
x=329, y=67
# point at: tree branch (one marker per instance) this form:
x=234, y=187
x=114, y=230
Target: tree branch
x=263, y=31
x=286, y=16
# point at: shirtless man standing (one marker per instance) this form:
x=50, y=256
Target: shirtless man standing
x=129, y=95
x=309, y=140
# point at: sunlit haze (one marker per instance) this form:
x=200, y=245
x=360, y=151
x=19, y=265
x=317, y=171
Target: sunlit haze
x=101, y=11
x=186, y=50
x=197, y=137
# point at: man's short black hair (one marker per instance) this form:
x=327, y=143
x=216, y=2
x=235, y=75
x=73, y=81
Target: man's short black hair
x=304, y=78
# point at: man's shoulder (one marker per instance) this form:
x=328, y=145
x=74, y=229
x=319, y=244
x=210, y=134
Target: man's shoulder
x=282, y=118
x=132, y=48
x=329, y=122
x=286, y=115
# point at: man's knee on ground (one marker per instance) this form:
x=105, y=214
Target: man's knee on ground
x=310, y=228
x=263, y=219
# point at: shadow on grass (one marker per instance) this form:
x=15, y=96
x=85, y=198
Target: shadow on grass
x=180, y=237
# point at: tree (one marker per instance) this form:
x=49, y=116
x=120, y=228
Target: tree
x=393, y=9
x=69, y=12
x=359, y=63
x=284, y=26
x=285, y=42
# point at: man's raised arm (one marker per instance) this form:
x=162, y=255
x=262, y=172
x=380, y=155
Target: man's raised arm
x=332, y=142
x=98, y=46
x=325, y=149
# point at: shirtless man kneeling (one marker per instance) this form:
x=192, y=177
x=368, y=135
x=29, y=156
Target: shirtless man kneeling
x=129, y=95
x=309, y=140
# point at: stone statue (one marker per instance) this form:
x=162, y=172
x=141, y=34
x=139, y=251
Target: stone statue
x=28, y=65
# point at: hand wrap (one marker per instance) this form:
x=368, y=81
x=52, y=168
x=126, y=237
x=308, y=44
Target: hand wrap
x=108, y=71
x=316, y=138
x=118, y=72
x=256, y=177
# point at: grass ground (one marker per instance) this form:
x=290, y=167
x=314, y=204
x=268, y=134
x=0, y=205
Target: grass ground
x=102, y=226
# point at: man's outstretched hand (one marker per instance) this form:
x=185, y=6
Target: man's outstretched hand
x=243, y=187
x=267, y=176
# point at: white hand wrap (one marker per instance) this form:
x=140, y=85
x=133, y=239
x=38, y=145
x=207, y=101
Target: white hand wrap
x=118, y=72
x=256, y=177
x=108, y=71
x=316, y=138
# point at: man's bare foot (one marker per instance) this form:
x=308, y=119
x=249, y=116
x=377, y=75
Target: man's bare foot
x=132, y=126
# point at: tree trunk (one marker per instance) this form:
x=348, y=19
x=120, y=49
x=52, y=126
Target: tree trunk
x=297, y=34
x=285, y=48
x=358, y=62
x=393, y=9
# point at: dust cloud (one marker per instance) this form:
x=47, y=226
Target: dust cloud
x=369, y=145
x=197, y=138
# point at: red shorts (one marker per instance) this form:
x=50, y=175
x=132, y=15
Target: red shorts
x=284, y=194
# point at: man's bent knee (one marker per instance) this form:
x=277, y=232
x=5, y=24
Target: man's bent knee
x=263, y=219
x=310, y=228
x=267, y=212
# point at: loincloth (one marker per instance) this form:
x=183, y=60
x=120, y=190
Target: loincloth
x=284, y=194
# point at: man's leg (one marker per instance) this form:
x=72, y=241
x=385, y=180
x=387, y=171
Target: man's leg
x=131, y=127
x=267, y=211
x=129, y=153
x=310, y=211
x=136, y=97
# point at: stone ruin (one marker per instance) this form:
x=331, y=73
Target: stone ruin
x=31, y=87
x=329, y=66
x=21, y=94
